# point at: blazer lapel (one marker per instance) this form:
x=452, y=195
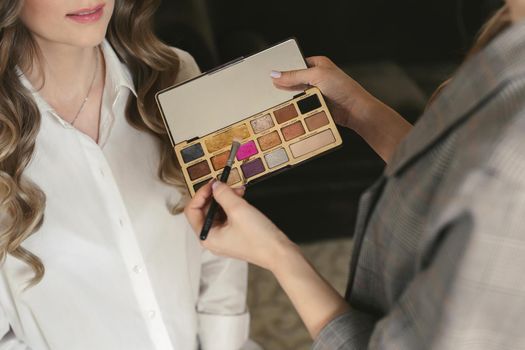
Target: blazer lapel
x=482, y=77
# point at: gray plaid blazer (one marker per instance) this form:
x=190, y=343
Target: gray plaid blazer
x=439, y=257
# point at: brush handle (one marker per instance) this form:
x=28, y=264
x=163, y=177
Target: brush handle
x=214, y=206
x=209, y=219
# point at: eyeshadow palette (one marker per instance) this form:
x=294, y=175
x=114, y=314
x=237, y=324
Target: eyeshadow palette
x=279, y=129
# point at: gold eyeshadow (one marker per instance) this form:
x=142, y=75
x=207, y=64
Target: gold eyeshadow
x=210, y=111
x=225, y=138
x=269, y=143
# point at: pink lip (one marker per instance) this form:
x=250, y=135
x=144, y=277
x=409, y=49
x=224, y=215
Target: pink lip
x=87, y=15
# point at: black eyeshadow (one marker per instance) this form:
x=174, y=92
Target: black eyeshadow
x=309, y=104
x=200, y=184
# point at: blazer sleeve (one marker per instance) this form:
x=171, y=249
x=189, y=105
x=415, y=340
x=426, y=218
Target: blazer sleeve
x=469, y=290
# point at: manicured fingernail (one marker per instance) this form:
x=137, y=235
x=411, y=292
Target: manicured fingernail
x=275, y=74
x=214, y=185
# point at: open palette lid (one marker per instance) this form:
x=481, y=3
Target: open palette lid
x=228, y=94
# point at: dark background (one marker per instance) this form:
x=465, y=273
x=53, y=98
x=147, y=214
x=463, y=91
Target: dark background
x=399, y=50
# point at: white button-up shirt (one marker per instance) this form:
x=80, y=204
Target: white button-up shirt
x=121, y=271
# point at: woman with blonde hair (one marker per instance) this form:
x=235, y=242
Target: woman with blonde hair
x=439, y=245
x=95, y=251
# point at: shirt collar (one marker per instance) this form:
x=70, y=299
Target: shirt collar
x=117, y=74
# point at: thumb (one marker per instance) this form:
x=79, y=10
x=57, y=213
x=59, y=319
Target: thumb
x=226, y=197
x=293, y=78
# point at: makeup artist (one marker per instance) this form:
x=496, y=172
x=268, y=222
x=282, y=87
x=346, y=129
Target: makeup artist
x=95, y=250
x=439, y=248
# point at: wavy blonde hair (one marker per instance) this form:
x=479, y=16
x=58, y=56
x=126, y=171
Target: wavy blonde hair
x=153, y=66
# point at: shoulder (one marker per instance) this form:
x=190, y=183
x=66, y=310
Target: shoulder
x=188, y=66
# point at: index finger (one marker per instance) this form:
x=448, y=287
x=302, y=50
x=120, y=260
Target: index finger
x=194, y=210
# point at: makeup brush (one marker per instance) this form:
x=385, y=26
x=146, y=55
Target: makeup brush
x=214, y=206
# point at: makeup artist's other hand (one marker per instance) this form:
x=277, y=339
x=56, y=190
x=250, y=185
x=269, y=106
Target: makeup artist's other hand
x=246, y=234
x=348, y=101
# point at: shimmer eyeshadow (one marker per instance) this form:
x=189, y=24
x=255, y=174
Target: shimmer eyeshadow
x=309, y=104
x=285, y=114
x=262, y=124
x=192, y=153
x=199, y=170
x=316, y=121
x=269, y=141
x=225, y=139
x=276, y=158
x=219, y=161
x=252, y=168
x=247, y=150
x=313, y=143
x=293, y=131
x=234, y=178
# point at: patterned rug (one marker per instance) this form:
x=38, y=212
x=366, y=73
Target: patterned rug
x=275, y=324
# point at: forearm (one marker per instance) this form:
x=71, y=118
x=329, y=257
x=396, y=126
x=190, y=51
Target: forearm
x=314, y=299
x=381, y=127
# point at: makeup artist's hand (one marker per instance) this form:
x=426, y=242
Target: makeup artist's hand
x=350, y=104
x=246, y=234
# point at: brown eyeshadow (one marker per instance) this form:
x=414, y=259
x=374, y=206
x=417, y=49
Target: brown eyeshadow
x=220, y=160
x=316, y=121
x=199, y=170
x=293, y=131
x=285, y=114
x=269, y=141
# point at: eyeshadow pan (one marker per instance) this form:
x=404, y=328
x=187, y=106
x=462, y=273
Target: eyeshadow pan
x=285, y=114
x=234, y=178
x=247, y=150
x=200, y=184
x=220, y=160
x=309, y=104
x=293, y=131
x=269, y=141
x=199, y=170
x=252, y=168
x=313, y=143
x=192, y=153
x=262, y=124
x=225, y=139
x=276, y=158
x=316, y=121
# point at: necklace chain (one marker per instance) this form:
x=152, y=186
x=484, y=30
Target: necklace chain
x=88, y=92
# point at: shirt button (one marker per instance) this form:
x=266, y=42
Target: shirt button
x=151, y=314
x=137, y=269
